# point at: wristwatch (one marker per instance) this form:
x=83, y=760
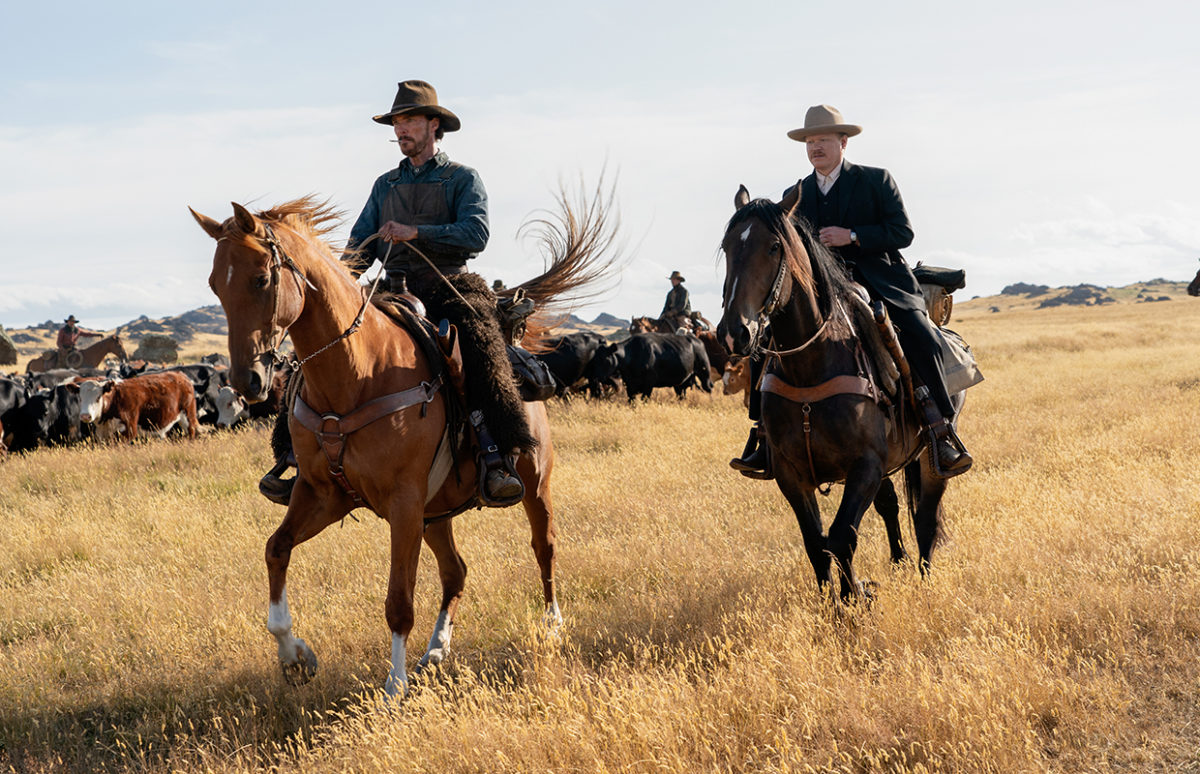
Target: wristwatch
x=853, y=236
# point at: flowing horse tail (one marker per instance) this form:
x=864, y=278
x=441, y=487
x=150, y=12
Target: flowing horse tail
x=579, y=245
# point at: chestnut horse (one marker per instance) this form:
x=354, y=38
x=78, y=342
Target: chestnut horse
x=90, y=357
x=275, y=274
x=823, y=421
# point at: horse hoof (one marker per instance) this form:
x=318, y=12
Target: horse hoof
x=303, y=668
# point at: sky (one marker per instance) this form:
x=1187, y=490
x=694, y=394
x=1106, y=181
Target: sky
x=1042, y=142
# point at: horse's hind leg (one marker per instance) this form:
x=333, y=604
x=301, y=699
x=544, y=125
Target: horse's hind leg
x=888, y=506
x=534, y=471
x=927, y=516
x=452, y=570
x=306, y=516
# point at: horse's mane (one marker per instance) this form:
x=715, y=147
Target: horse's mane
x=315, y=216
x=824, y=276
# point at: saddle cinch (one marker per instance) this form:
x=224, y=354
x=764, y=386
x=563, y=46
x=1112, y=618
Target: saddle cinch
x=440, y=346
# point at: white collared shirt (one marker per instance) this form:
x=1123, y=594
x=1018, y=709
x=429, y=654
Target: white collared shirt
x=825, y=183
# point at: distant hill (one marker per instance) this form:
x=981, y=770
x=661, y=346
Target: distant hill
x=606, y=319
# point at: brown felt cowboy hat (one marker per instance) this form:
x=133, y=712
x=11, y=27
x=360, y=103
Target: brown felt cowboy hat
x=419, y=98
x=823, y=119
x=678, y=276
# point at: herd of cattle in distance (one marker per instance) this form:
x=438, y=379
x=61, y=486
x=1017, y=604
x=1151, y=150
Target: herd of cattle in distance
x=65, y=406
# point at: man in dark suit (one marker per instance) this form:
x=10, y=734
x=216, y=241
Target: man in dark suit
x=856, y=211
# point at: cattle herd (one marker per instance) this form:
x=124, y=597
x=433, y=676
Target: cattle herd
x=65, y=406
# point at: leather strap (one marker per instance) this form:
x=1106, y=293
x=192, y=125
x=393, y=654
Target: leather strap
x=333, y=440
x=844, y=384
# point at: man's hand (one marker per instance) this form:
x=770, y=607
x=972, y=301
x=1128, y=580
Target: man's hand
x=397, y=232
x=835, y=236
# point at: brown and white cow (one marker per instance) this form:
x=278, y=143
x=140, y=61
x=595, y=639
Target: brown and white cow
x=231, y=407
x=737, y=378
x=154, y=401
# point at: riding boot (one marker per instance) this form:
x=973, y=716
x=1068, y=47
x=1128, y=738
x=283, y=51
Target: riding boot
x=754, y=462
x=273, y=486
x=950, y=457
x=500, y=484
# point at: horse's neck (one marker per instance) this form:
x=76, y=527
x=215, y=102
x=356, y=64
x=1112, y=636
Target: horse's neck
x=800, y=324
x=338, y=373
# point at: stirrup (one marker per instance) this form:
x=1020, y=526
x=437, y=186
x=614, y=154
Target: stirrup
x=512, y=490
x=948, y=435
x=276, y=488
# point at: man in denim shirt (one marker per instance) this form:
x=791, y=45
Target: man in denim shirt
x=428, y=201
x=439, y=207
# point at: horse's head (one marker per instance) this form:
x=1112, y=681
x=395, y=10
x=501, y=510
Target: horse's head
x=252, y=277
x=641, y=325
x=762, y=258
x=118, y=346
x=1193, y=288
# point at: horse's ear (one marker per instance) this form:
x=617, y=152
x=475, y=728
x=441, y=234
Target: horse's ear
x=741, y=198
x=791, y=200
x=245, y=221
x=210, y=226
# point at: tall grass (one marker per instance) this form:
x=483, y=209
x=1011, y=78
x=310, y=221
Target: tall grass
x=1059, y=631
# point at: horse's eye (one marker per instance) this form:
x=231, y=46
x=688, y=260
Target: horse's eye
x=262, y=281
x=776, y=247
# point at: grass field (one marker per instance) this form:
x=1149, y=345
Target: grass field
x=1060, y=631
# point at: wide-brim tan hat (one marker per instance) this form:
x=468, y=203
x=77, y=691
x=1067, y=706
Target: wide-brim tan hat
x=823, y=119
x=678, y=276
x=419, y=98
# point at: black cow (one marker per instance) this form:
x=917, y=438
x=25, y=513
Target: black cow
x=207, y=380
x=48, y=417
x=663, y=360
x=12, y=398
x=569, y=359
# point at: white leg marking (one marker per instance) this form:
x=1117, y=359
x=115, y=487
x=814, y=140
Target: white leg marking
x=439, y=641
x=279, y=623
x=397, y=680
x=746, y=233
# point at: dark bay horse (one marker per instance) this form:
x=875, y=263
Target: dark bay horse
x=274, y=273
x=1193, y=288
x=832, y=428
x=89, y=357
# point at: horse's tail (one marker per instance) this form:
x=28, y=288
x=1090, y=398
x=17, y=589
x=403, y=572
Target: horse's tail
x=579, y=245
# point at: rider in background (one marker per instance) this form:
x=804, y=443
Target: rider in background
x=68, y=338
x=678, y=306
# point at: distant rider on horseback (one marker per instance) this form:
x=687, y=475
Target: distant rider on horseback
x=68, y=339
x=440, y=208
x=678, y=306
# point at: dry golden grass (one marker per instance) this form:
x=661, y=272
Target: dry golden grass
x=1059, y=632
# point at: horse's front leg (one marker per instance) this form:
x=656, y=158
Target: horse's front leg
x=406, y=519
x=306, y=516
x=862, y=483
x=803, y=499
x=452, y=571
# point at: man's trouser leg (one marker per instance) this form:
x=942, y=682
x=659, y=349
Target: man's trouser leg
x=754, y=462
x=924, y=353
